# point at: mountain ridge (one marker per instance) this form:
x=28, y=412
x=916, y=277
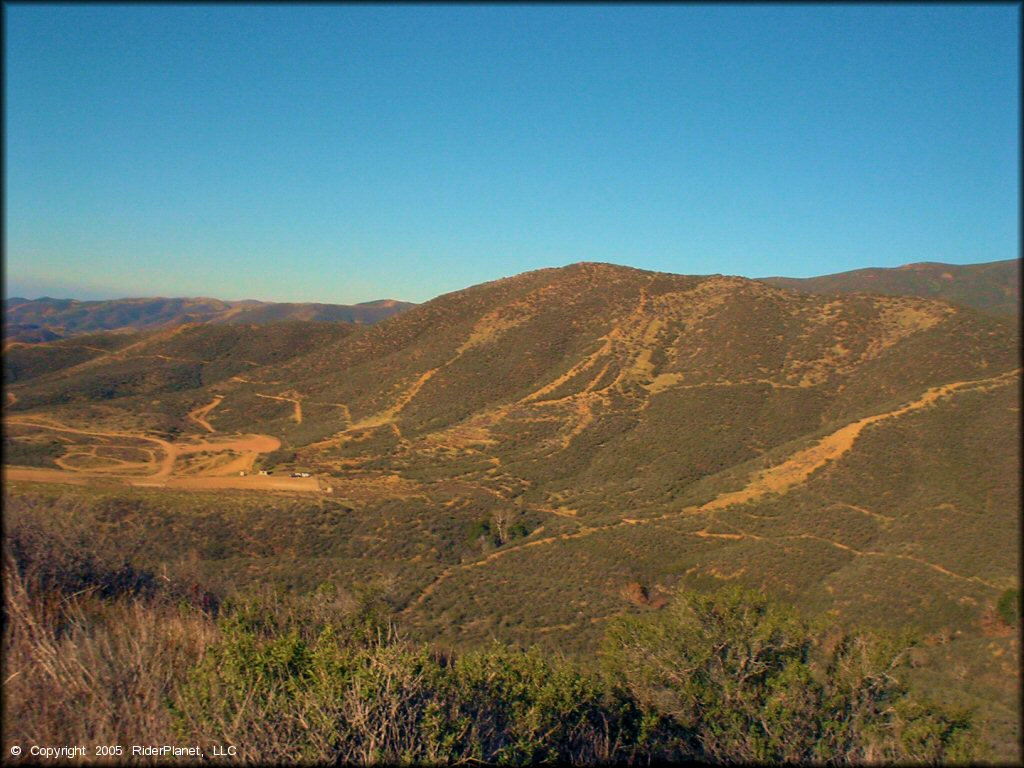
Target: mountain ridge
x=47, y=319
x=992, y=287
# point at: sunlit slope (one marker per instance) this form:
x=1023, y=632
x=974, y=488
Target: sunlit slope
x=992, y=287
x=595, y=387
x=597, y=380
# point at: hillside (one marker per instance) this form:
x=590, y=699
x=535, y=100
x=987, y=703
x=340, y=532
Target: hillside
x=528, y=458
x=993, y=287
x=49, y=319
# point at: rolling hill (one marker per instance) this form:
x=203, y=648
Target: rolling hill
x=992, y=287
x=48, y=319
x=527, y=458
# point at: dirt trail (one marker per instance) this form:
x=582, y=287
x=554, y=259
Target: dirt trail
x=387, y=416
x=247, y=483
x=414, y=390
x=896, y=555
x=224, y=476
x=163, y=467
x=172, y=359
x=588, y=362
x=624, y=332
x=779, y=479
x=883, y=519
x=161, y=335
x=576, y=624
x=801, y=465
x=199, y=414
x=297, y=415
x=585, y=416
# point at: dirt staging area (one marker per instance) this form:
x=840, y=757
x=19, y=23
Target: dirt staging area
x=164, y=470
x=249, y=482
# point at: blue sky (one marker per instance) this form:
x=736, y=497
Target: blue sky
x=349, y=153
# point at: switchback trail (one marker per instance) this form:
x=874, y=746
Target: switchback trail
x=199, y=414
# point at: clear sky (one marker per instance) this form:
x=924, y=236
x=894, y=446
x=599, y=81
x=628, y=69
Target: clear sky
x=348, y=153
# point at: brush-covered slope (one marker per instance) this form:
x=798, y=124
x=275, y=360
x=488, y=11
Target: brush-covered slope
x=992, y=287
x=179, y=364
x=47, y=319
x=529, y=457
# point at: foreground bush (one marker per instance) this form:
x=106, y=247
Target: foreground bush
x=97, y=651
x=291, y=685
x=722, y=678
x=747, y=680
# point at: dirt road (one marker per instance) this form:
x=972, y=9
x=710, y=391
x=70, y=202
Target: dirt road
x=162, y=475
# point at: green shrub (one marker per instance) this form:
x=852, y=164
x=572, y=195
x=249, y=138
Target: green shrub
x=748, y=680
x=505, y=706
x=287, y=683
x=1009, y=607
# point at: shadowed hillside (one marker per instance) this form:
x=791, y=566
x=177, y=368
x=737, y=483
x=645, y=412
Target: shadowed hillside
x=530, y=458
x=992, y=287
x=48, y=319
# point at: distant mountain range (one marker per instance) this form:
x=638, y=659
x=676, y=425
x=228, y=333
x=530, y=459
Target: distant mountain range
x=46, y=319
x=992, y=287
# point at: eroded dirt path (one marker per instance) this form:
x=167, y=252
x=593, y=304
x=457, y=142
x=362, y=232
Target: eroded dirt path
x=895, y=555
x=297, y=415
x=795, y=471
x=801, y=465
x=199, y=414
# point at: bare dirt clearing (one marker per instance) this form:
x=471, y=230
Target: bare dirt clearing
x=85, y=462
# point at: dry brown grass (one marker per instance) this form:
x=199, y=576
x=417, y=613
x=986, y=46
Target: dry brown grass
x=81, y=671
